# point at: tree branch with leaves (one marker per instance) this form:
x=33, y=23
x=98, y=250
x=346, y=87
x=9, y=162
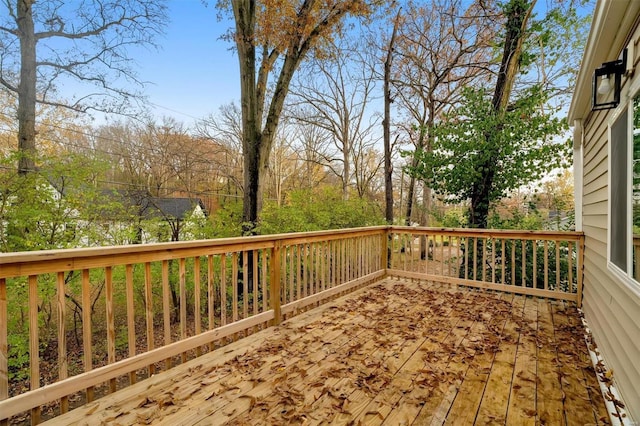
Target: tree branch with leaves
x=47, y=44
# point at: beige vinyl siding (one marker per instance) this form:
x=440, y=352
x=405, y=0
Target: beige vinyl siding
x=611, y=308
x=599, y=170
x=596, y=232
x=599, y=208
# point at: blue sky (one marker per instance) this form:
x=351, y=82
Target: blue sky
x=193, y=72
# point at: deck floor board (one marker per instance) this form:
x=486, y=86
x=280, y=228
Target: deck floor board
x=396, y=352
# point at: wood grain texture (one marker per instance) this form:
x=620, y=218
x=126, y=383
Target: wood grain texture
x=395, y=352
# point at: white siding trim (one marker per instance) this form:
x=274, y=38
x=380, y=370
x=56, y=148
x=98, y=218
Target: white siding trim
x=578, y=180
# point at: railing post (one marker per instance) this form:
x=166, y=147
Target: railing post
x=580, y=272
x=274, y=283
x=384, y=252
x=4, y=349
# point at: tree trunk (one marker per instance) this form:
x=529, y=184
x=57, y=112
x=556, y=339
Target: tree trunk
x=244, y=12
x=26, y=88
x=251, y=190
x=518, y=13
x=411, y=193
x=388, y=170
x=346, y=174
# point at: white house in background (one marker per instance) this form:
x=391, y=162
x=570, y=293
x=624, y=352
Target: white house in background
x=178, y=215
x=146, y=219
x=607, y=173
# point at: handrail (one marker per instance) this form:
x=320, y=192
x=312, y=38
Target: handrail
x=472, y=232
x=68, y=259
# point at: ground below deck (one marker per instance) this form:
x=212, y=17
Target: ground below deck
x=396, y=352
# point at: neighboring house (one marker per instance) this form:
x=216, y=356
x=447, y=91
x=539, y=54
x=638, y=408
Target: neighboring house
x=178, y=214
x=559, y=221
x=606, y=155
x=146, y=219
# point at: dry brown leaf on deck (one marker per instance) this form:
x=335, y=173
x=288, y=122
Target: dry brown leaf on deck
x=252, y=400
x=166, y=401
x=523, y=375
x=618, y=403
x=145, y=402
x=187, y=395
x=213, y=394
x=145, y=420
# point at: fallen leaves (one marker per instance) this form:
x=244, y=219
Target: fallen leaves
x=356, y=361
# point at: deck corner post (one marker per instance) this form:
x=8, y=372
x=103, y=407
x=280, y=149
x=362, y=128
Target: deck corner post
x=385, y=254
x=274, y=283
x=580, y=270
x=4, y=348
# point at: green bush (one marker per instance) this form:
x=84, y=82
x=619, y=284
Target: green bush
x=307, y=210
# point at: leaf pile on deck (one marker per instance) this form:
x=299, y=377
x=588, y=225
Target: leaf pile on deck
x=394, y=353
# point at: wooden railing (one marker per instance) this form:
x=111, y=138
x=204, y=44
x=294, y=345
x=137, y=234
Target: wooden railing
x=538, y=263
x=118, y=313
x=76, y=324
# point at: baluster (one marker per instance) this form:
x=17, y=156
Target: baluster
x=557, y=244
x=265, y=306
x=524, y=263
x=182, y=272
x=86, y=326
x=148, y=305
x=211, y=296
x=534, y=244
x=234, y=292
x=196, y=301
x=63, y=360
x=503, y=256
x=255, y=288
x=570, y=266
x=131, y=325
x=34, y=342
x=111, y=327
x=166, y=308
x=223, y=289
x=245, y=284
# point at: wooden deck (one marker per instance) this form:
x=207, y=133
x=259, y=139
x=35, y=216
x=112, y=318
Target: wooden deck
x=397, y=352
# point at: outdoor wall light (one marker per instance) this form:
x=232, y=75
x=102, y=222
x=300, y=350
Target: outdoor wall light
x=606, y=83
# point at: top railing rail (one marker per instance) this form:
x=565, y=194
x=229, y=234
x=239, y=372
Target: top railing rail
x=46, y=261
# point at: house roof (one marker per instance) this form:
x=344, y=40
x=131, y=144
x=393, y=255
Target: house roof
x=171, y=208
x=148, y=207
x=613, y=22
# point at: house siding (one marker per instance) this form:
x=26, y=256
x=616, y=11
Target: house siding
x=611, y=308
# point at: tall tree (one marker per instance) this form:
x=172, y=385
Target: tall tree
x=500, y=140
x=225, y=129
x=272, y=38
x=386, y=123
x=312, y=142
x=517, y=14
x=338, y=90
x=45, y=44
x=524, y=147
x=445, y=47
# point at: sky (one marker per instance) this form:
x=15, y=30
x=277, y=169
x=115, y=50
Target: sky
x=194, y=72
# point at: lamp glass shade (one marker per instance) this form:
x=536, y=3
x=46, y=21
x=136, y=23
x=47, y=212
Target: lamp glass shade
x=606, y=85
